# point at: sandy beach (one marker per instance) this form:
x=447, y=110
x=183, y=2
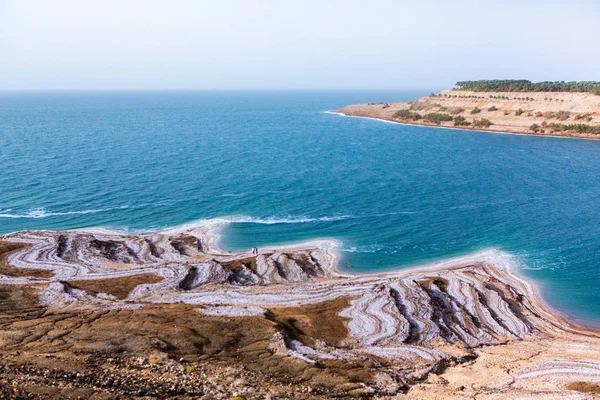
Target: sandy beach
x=172, y=305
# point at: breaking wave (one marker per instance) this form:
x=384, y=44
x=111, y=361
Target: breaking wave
x=43, y=213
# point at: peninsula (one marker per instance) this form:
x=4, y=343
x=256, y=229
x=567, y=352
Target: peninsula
x=100, y=314
x=516, y=106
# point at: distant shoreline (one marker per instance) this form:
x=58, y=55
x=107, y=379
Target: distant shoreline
x=455, y=128
x=556, y=114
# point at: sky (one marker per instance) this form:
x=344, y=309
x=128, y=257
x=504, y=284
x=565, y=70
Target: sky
x=308, y=44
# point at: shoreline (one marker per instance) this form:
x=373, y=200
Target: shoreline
x=431, y=125
x=209, y=231
x=450, y=328
x=551, y=114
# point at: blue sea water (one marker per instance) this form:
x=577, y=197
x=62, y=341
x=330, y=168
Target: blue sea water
x=286, y=171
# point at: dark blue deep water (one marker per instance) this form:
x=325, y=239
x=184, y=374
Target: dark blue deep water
x=394, y=195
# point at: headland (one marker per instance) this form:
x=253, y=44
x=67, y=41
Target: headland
x=548, y=108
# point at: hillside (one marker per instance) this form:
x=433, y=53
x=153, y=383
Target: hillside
x=575, y=114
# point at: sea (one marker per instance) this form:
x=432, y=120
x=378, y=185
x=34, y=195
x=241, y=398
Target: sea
x=277, y=168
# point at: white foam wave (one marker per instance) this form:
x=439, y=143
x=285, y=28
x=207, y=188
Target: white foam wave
x=369, y=248
x=244, y=219
x=43, y=213
x=501, y=259
x=233, y=195
x=288, y=220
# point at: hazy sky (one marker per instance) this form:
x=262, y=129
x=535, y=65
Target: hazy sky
x=307, y=44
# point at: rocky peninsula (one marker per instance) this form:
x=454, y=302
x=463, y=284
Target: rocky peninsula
x=550, y=109
x=99, y=314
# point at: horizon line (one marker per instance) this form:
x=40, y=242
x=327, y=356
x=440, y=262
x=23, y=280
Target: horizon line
x=124, y=90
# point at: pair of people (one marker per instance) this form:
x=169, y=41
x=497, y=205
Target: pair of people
x=255, y=250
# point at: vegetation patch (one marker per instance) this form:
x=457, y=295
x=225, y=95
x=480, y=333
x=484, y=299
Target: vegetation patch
x=563, y=115
x=476, y=110
x=573, y=128
x=535, y=128
x=586, y=117
x=437, y=117
x=522, y=85
x=461, y=121
x=407, y=114
x=482, y=123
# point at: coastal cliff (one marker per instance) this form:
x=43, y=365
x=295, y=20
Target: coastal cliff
x=170, y=314
x=572, y=114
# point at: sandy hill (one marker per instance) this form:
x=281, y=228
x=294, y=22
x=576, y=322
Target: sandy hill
x=556, y=113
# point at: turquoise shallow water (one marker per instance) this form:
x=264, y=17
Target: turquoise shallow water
x=394, y=195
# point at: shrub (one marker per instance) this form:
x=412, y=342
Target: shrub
x=456, y=110
x=578, y=128
x=518, y=112
x=403, y=114
x=534, y=127
x=493, y=108
x=459, y=120
x=582, y=116
x=482, y=123
x=476, y=110
x=539, y=114
x=437, y=117
x=563, y=115
x=189, y=369
x=407, y=114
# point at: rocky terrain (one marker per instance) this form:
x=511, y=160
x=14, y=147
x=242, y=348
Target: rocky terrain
x=97, y=314
x=538, y=113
